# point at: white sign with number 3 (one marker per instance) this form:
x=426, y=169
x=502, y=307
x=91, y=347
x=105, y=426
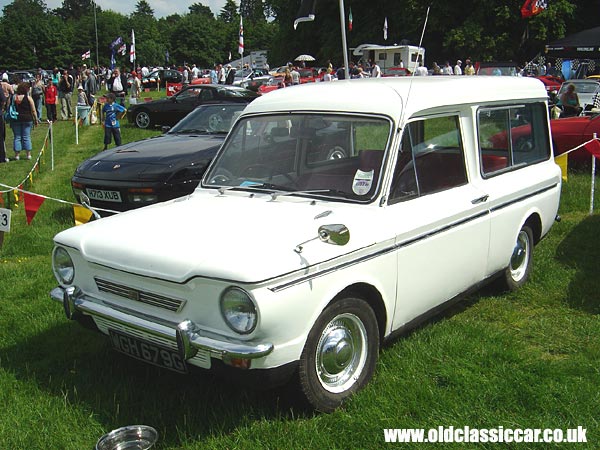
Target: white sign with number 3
x=5, y=219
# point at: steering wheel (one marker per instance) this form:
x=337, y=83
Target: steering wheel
x=215, y=122
x=524, y=144
x=247, y=173
x=336, y=152
x=222, y=176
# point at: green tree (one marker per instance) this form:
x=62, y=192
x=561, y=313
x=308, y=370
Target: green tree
x=229, y=12
x=74, y=9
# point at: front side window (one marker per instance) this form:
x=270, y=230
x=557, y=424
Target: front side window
x=324, y=155
x=512, y=137
x=431, y=159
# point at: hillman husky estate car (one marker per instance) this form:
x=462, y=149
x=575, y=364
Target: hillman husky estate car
x=334, y=216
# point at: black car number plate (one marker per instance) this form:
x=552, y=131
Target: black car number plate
x=147, y=351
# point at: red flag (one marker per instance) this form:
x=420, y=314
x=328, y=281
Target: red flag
x=593, y=147
x=533, y=7
x=32, y=204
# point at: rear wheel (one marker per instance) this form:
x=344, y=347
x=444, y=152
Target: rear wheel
x=142, y=119
x=340, y=354
x=517, y=272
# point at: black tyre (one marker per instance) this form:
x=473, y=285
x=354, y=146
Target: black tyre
x=142, y=119
x=340, y=354
x=519, y=268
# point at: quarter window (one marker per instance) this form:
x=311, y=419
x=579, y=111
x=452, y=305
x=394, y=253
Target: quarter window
x=512, y=137
x=431, y=159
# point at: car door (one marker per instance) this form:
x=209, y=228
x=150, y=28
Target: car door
x=184, y=102
x=440, y=220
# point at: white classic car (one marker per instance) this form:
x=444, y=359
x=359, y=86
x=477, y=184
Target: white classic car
x=334, y=216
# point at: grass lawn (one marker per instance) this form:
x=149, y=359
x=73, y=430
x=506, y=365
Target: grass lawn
x=529, y=359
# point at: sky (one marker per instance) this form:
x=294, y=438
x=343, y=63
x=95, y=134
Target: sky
x=162, y=8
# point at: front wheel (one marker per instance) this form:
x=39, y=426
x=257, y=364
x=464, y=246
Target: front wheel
x=142, y=119
x=340, y=354
x=517, y=272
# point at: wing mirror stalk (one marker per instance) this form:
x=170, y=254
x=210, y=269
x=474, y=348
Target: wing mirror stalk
x=335, y=234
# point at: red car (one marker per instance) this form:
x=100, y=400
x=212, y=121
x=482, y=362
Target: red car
x=551, y=83
x=570, y=132
x=395, y=72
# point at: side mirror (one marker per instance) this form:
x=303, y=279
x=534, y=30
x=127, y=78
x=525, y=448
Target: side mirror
x=335, y=234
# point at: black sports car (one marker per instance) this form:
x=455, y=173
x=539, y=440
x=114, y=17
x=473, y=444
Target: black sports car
x=170, y=110
x=158, y=168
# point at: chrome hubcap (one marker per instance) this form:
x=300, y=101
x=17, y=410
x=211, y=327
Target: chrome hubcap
x=341, y=353
x=520, y=257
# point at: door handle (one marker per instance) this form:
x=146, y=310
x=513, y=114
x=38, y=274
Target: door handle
x=480, y=199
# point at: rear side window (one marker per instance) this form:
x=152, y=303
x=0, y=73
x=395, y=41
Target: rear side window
x=431, y=159
x=512, y=137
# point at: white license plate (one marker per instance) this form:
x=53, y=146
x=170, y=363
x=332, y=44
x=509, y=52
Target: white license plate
x=104, y=196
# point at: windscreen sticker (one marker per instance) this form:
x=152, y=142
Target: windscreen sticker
x=362, y=182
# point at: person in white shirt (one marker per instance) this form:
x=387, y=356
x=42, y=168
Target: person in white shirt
x=421, y=71
x=457, y=68
x=376, y=71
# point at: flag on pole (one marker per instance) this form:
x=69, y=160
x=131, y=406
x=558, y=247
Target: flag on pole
x=385, y=29
x=350, y=20
x=86, y=55
x=122, y=49
x=533, y=7
x=229, y=58
x=132, y=48
x=167, y=56
x=117, y=41
x=306, y=13
x=241, y=45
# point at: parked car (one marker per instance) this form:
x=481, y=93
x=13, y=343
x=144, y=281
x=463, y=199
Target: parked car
x=334, y=217
x=585, y=89
x=155, y=169
x=242, y=76
x=508, y=68
x=170, y=110
x=307, y=75
x=395, y=72
x=552, y=85
x=20, y=76
x=271, y=85
x=161, y=76
x=571, y=132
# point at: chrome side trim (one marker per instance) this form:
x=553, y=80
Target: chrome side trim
x=408, y=242
x=191, y=336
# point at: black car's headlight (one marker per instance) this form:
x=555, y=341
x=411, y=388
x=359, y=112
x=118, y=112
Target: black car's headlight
x=62, y=266
x=238, y=310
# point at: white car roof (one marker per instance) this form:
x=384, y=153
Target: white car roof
x=384, y=95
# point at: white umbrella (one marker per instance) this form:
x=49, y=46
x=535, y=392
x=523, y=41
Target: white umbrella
x=304, y=58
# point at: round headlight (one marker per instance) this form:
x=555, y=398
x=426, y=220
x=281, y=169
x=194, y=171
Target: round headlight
x=238, y=310
x=64, y=270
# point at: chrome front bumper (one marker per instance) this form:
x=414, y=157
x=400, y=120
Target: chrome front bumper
x=189, y=337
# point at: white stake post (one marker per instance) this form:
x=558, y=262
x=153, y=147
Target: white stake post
x=51, y=147
x=593, y=182
x=76, y=127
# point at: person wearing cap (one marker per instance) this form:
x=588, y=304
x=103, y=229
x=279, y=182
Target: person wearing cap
x=83, y=105
x=457, y=67
x=6, y=86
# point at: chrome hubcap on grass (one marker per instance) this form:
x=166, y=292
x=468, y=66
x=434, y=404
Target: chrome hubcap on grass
x=520, y=257
x=341, y=353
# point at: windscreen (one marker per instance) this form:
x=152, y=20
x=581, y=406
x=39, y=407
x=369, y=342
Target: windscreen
x=337, y=156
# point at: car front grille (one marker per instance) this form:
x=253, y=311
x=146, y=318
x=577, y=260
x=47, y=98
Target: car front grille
x=160, y=301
